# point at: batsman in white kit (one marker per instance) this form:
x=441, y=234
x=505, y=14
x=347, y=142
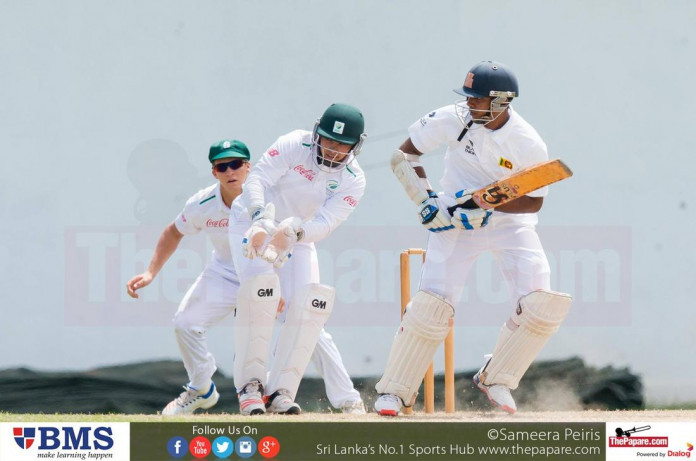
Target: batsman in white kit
x=213, y=295
x=486, y=141
x=305, y=185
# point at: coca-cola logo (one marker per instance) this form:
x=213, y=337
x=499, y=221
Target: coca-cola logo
x=351, y=201
x=309, y=174
x=219, y=223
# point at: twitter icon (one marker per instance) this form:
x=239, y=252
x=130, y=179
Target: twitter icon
x=223, y=447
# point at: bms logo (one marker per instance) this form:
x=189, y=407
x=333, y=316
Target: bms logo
x=24, y=436
x=65, y=438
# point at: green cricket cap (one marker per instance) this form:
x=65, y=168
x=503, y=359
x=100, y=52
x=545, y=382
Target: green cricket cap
x=228, y=148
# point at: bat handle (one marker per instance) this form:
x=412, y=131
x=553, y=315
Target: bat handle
x=468, y=205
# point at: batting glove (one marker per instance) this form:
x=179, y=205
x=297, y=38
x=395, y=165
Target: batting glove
x=467, y=215
x=470, y=219
x=262, y=224
x=465, y=198
x=433, y=214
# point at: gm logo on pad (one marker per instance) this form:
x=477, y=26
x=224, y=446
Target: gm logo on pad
x=320, y=303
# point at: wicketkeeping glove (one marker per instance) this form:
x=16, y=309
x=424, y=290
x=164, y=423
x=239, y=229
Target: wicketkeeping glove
x=433, y=214
x=262, y=224
x=278, y=250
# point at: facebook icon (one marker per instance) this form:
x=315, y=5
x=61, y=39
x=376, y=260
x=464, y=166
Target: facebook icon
x=177, y=447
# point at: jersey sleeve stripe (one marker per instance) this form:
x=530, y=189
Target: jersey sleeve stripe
x=209, y=198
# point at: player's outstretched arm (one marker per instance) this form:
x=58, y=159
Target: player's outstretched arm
x=166, y=245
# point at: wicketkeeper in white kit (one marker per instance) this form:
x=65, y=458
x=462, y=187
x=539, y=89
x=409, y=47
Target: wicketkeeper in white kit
x=213, y=295
x=305, y=185
x=486, y=141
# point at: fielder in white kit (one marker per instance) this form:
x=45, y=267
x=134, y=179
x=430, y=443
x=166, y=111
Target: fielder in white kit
x=305, y=185
x=486, y=141
x=213, y=295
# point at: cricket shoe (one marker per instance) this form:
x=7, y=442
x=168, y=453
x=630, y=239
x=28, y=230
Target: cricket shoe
x=190, y=400
x=251, y=399
x=388, y=405
x=353, y=407
x=281, y=403
x=498, y=394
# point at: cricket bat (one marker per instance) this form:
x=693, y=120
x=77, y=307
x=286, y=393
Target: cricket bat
x=517, y=185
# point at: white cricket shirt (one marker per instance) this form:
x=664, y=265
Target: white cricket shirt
x=482, y=156
x=205, y=211
x=298, y=188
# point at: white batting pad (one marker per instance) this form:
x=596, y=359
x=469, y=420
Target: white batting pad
x=305, y=318
x=538, y=316
x=257, y=302
x=415, y=187
x=424, y=326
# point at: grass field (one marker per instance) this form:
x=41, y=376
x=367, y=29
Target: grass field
x=487, y=416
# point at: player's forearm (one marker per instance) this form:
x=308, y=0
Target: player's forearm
x=315, y=229
x=409, y=149
x=408, y=170
x=524, y=204
x=253, y=194
x=330, y=217
x=166, y=245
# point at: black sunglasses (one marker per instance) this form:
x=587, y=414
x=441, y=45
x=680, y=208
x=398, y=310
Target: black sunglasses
x=234, y=164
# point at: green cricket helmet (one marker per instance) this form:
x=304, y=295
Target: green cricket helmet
x=341, y=123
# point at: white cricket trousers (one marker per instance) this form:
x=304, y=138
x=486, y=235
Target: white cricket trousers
x=210, y=299
x=452, y=254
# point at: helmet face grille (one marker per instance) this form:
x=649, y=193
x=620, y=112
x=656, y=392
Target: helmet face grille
x=326, y=165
